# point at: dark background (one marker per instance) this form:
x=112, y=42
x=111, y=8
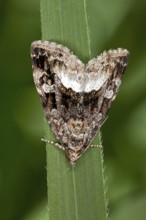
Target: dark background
x=117, y=23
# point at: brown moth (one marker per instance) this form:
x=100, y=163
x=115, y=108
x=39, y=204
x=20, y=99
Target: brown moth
x=76, y=96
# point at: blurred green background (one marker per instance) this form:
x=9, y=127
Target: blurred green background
x=115, y=23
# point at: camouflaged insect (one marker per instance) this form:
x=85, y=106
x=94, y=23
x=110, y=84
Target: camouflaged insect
x=75, y=96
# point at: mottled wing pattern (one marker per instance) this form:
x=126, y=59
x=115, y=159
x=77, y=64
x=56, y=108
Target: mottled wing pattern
x=108, y=68
x=75, y=97
x=49, y=60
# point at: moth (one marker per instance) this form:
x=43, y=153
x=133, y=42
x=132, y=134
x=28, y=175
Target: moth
x=76, y=96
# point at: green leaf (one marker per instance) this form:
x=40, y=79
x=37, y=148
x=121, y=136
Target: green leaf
x=74, y=193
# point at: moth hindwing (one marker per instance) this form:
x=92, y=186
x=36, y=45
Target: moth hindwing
x=76, y=96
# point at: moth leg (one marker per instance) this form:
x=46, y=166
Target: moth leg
x=53, y=143
x=96, y=145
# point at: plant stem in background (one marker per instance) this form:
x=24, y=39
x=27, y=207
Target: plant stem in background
x=74, y=193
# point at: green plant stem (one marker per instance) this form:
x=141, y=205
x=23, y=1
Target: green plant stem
x=74, y=193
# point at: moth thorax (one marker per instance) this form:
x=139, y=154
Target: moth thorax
x=75, y=125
